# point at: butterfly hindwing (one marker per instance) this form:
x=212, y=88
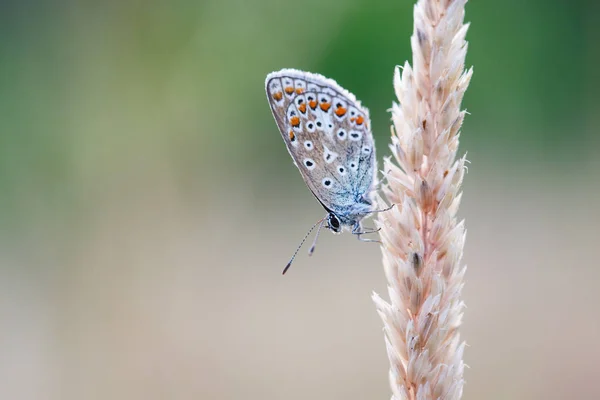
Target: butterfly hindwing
x=327, y=133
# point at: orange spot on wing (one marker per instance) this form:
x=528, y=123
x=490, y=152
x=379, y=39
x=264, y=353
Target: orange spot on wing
x=352, y=119
x=289, y=90
x=340, y=112
x=312, y=104
x=277, y=96
x=360, y=120
x=299, y=90
x=292, y=136
x=325, y=106
x=295, y=121
x=302, y=108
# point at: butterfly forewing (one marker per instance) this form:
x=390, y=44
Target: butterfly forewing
x=327, y=133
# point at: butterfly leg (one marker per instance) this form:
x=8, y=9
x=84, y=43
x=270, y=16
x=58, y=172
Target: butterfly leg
x=367, y=240
x=356, y=230
x=382, y=210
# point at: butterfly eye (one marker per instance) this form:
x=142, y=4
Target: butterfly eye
x=341, y=170
x=353, y=166
x=308, y=145
x=327, y=182
x=341, y=134
x=333, y=222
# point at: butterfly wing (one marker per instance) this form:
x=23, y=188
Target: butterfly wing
x=327, y=133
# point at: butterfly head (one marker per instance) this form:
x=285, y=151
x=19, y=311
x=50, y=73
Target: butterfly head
x=349, y=216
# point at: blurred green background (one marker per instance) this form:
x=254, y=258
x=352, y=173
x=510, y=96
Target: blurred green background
x=148, y=204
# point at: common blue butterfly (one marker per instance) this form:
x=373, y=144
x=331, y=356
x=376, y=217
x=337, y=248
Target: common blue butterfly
x=328, y=134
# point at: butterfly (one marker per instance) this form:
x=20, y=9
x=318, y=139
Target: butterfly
x=328, y=134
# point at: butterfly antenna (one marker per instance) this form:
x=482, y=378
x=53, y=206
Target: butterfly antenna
x=301, y=243
x=314, y=243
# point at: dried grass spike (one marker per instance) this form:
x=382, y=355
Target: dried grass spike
x=422, y=241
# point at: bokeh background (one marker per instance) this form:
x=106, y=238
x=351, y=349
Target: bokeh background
x=148, y=204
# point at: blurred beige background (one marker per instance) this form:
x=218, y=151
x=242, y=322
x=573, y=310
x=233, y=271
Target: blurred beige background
x=148, y=205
